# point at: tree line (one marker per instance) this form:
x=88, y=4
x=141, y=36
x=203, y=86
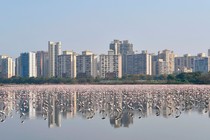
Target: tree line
x=182, y=78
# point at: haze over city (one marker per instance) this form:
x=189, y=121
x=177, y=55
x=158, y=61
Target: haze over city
x=181, y=26
x=105, y=69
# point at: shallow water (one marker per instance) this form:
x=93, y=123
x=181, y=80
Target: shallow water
x=105, y=112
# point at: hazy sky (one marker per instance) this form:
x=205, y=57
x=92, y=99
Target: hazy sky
x=179, y=25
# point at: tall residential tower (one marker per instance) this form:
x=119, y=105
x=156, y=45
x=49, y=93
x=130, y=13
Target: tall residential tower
x=67, y=64
x=86, y=64
x=6, y=66
x=166, y=62
x=110, y=66
x=54, y=49
x=139, y=63
x=26, y=65
x=42, y=63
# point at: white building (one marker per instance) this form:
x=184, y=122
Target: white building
x=6, y=67
x=124, y=48
x=110, y=66
x=167, y=57
x=67, y=64
x=162, y=67
x=86, y=64
x=54, y=49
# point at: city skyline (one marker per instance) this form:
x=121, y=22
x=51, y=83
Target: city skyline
x=135, y=69
x=182, y=26
x=205, y=52
x=120, y=61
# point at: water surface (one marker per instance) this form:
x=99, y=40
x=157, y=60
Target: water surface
x=105, y=112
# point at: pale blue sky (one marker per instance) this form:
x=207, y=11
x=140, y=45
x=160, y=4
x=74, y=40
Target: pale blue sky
x=179, y=25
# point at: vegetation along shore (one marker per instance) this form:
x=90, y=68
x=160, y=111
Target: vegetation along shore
x=182, y=78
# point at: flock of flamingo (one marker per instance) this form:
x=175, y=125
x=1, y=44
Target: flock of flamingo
x=119, y=103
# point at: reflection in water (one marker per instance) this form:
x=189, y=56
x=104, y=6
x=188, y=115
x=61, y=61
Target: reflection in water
x=119, y=104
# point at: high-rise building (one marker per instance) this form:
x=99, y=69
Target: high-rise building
x=13, y=68
x=208, y=52
x=2, y=57
x=17, y=67
x=201, y=55
x=139, y=63
x=110, y=66
x=115, y=46
x=124, y=48
x=202, y=63
x=67, y=64
x=6, y=67
x=167, y=58
x=184, y=63
x=26, y=65
x=54, y=49
x=86, y=64
x=154, y=64
x=162, y=67
x=42, y=63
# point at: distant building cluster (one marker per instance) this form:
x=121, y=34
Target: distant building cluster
x=121, y=60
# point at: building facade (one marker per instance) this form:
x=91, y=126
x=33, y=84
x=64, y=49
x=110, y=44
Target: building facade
x=162, y=67
x=110, y=66
x=1, y=58
x=167, y=60
x=202, y=64
x=154, y=64
x=124, y=48
x=6, y=67
x=54, y=49
x=184, y=63
x=86, y=64
x=67, y=65
x=115, y=46
x=139, y=64
x=17, y=67
x=26, y=65
x=42, y=60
